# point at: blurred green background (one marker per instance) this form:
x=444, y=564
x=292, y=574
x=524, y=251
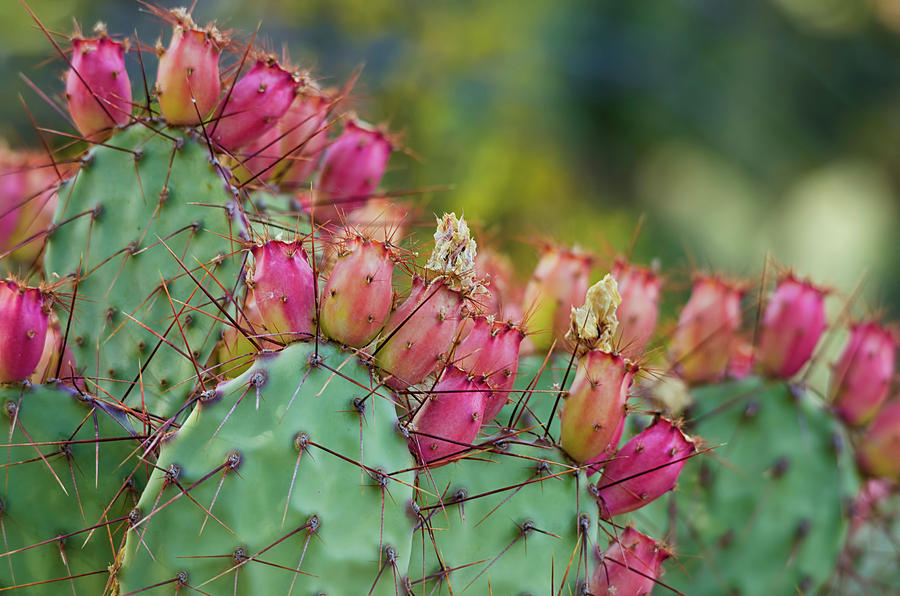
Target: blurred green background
x=737, y=129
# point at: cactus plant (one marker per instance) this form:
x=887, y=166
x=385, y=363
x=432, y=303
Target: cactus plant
x=245, y=388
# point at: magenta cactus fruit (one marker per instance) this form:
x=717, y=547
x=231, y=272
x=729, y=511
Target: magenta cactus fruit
x=491, y=351
x=423, y=328
x=358, y=295
x=595, y=406
x=706, y=335
x=878, y=450
x=187, y=80
x=380, y=219
x=24, y=316
x=450, y=418
x=283, y=288
x=862, y=375
x=304, y=135
x=629, y=566
x=791, y=326
x=98, y=89
x=351, y=169
x=559, y=282
x=639, y=311
x=254, y=104
x=644, y=469
x=596, y=463
x=419, y=333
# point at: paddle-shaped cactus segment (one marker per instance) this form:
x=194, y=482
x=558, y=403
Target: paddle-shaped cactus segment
x=512, y=520
x=288, y=479
x=148, y=193
x=769, y=498
x=68, y=482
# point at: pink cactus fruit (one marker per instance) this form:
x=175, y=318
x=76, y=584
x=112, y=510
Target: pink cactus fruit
x=254, y=104
x=504, y=296
x=187, y=79
x=862, y=375
x=283, y=288
x=491, y=351
x=595, y=406
x=878, y=449
x=630, y=566
x=98, y=89
x=57, y=360
x=304, y=136
x=423, y=328
x=13, y=194
x=449, y=420
x=558, y=283
x=351, y=170
x=358, y=295
x=419, y=333
x=639, y=311
x=24, y=316
x=790, y=328
x=706, y=335
x=644, y=469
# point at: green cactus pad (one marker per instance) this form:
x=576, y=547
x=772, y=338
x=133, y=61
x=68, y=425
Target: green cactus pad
x=496, y=537
x=764, y=512
x=69, y=465
x=231, y=511
x=144, y=191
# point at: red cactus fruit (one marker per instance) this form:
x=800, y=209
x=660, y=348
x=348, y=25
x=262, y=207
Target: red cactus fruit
x=282, y=286
x=24, y=316
x=558, y=283
x=187, y=80
x=304, y=136
x=419, y=332
x=644, y=469
x=450, y=418
x=630, y=566
x=706, y=335
x=98, y=89
x=254, y=104
x=13, y=193
x=236, y=352
x=358, y=296
x=351, y=169
x=422, y=329
x=862, y=375
x=790, y=328
x=878, y=449
x=503, y=296
x=740, y=365
x=595, y=405
x=491, y=350
x=639, y=288
x=57, y=360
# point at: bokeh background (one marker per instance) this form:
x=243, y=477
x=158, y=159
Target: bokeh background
x=735, y=130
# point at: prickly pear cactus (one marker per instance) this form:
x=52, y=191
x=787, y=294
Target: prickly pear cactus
x=512, y=519
x=68, y=483
x=779, y=475
x=145, y=239
x=292, y=478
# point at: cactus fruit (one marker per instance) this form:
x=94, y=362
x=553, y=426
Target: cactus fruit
x=791, y=327
x=98, y=89
x=630, y=565
x=862, y=376
x=226, y=399
x=187, y=80
x=706, y=335
x=24, y=316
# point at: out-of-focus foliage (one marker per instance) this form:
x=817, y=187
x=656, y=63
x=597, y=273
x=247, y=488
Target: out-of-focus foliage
x=739, y=129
